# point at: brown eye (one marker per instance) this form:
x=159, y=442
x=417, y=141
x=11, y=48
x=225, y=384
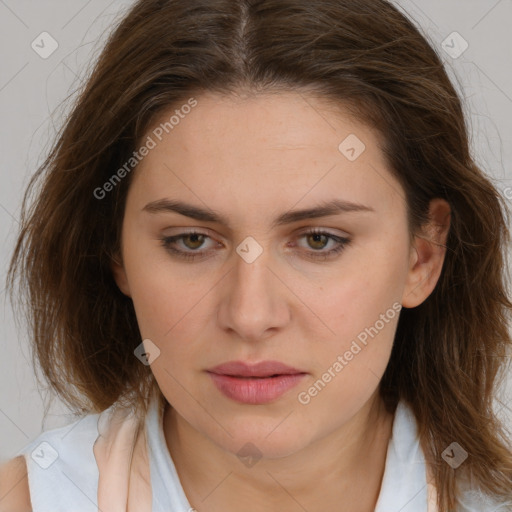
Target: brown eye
x=196, y=240
x=317, y=240
x=187, y=245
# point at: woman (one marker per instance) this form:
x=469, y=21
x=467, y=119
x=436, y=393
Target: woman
x=264, y=264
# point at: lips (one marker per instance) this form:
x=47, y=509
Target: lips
x=262, y=369
x=255, y=384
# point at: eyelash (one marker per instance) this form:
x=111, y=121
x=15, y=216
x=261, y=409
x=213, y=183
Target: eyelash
x=342, y=243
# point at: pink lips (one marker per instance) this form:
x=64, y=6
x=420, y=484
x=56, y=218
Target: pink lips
x=255, y=384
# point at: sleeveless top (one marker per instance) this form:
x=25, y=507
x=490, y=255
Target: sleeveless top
x=64, y=469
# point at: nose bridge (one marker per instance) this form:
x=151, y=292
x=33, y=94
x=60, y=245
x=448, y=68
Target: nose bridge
x=253, y=302
x=251, y=277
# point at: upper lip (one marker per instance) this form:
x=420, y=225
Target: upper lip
x=262, y=369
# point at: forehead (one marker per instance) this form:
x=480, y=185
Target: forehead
x=267, y=150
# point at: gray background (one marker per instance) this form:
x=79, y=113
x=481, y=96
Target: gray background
x=33, y=89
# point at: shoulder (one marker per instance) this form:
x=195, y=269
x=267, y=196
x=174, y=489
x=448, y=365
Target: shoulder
x=62, y=445
x=60, y=468
x=471, y=499
x=408, y=447
x=14, y=489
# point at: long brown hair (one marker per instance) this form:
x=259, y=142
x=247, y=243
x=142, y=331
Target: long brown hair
x=449, y=353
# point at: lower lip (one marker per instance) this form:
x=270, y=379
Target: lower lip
x=255, y=391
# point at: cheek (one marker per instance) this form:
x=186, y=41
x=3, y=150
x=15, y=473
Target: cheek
x=165, y=295
x=173, y=305
x=359, y=310
x=355, y=294
x=348, y=363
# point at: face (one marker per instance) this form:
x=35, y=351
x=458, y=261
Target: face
x=260, y=275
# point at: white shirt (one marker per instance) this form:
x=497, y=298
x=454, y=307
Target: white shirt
x=63, y=474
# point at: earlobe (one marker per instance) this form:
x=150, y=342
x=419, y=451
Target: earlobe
x=119, y=274
x=427, y=255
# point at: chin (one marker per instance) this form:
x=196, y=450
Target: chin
x=270, y=438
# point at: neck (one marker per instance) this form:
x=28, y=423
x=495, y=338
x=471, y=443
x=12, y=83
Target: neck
x=340, y=472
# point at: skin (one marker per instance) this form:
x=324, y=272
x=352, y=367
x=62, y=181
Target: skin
x=252, y=158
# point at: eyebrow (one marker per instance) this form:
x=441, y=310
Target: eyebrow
x=334, y=207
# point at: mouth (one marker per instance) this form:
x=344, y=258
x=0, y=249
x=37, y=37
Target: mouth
x=255, y=384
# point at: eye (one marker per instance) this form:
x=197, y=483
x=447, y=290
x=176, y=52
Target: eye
x=319, y=240
x=192, y=241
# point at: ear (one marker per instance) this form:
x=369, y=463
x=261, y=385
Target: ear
x=119, y=273
x=427, y=255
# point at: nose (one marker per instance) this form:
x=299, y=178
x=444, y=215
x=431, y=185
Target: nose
x=255, y=302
